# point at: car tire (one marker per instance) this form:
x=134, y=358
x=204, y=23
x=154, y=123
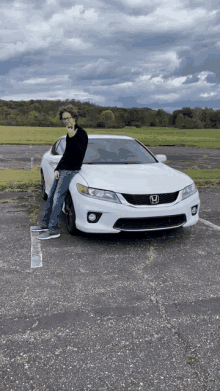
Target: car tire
x=70, y=214
x=42, y=182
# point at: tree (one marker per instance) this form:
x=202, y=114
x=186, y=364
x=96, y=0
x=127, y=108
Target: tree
x=173, y=117
x=100, y=124
x=187, y=112
x=133, y=116
x=162, y=117
x=215, y=119
x=120, y=119
x=138, y=125
x=107, y=115
x=36, y=107
x=197, y=112
x=192, y=123
x=45, y=113
x=179, y=121
x=155, y=122
x=150, y=116
x=205, y=117
x=108, y=118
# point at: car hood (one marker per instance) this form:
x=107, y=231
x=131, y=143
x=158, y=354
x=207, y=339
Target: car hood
x=135, y=178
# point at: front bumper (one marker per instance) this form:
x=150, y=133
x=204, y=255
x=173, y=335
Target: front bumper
x=112, y=212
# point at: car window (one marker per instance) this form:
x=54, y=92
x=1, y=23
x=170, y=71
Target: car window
x=117, y=151
x=53, y=150
x=60, y=148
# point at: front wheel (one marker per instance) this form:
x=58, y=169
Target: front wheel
x=42, y=182
x=70, y=214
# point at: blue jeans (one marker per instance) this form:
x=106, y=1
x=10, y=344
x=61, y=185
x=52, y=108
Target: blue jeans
x=56, y=197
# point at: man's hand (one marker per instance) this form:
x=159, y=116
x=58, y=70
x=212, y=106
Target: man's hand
x=56, y=174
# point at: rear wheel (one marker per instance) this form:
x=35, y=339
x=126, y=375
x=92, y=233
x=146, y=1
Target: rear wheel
x=42, y=182
x=70, y=214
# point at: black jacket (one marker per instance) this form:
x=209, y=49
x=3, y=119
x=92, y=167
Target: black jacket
x=75, y=151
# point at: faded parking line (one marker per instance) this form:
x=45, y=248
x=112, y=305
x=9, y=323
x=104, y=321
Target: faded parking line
x=36, y=254
x=208, y=223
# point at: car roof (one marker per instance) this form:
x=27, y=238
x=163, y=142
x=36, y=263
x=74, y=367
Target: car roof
x=91, y=136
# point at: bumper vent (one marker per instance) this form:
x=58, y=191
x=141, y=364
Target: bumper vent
x=144, y=199
x=150, y=223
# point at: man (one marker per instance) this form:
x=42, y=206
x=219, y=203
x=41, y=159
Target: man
x=68, y=166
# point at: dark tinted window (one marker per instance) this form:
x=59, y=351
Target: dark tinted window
x=116, y=151
x=60, y=148
x=54, y=147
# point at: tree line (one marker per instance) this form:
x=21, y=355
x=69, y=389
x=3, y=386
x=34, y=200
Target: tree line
x=44, y=113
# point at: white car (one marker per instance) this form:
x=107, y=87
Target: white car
x=122, y=186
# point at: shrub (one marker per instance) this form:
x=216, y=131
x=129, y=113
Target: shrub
x=191, y=123
x=138, y=125
x=100, y=124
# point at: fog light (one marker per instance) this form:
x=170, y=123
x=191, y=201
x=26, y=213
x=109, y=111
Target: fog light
x=93, y=217
x=194, y=210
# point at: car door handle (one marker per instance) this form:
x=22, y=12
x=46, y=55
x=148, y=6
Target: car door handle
x=52, y=163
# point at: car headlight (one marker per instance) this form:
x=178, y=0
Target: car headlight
x=104, y=195
x=188, y=191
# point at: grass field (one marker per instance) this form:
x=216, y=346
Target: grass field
x=29, y=179
x=20, y=179
x=200, y=138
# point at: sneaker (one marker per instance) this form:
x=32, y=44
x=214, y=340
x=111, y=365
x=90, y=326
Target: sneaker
x=49, y=235
x=39, y=227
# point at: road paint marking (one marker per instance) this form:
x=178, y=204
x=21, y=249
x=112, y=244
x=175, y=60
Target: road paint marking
x=36, y=254
x=208, y=223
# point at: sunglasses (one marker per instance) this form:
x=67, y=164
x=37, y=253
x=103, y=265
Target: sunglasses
x=63, y=119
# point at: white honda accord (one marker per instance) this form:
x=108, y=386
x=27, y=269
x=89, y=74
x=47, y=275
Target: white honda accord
x=122, y=186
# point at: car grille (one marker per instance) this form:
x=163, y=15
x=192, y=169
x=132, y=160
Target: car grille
x=150, y=223
x=144, y=199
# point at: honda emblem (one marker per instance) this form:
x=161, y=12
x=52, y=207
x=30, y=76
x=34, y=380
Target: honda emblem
x=154, y=199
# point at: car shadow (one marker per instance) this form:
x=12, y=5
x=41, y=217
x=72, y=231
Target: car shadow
x=167, y=236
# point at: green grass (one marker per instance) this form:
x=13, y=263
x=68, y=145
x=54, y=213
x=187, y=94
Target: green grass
x=204, y=177
x=20, y=176
x=203, y=174
x=23, y=180
x=200, y=138
x=26, y=135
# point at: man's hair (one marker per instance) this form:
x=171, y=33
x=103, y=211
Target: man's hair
x=69, y=109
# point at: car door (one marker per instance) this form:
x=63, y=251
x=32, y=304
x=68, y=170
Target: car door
x=52, y=160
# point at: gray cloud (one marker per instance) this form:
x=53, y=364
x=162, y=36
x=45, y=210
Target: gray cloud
x=126, y=53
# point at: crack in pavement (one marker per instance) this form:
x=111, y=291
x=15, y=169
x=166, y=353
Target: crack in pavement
x=192, y=356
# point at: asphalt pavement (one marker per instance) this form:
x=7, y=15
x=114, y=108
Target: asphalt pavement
x=110, y=312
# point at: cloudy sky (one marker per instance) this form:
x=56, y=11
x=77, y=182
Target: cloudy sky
x=125, y=53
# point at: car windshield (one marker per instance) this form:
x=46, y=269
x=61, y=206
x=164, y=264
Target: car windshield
x=115, y=151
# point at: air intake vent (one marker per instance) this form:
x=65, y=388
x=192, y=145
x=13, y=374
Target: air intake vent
x=150, y=223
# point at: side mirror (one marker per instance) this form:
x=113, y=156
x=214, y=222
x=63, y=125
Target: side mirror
x=161, y=158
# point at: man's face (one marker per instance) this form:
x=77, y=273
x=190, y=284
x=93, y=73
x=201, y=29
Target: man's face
x=68, y=120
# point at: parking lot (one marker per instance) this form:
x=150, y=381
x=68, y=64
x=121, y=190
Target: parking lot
x=111, y=312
